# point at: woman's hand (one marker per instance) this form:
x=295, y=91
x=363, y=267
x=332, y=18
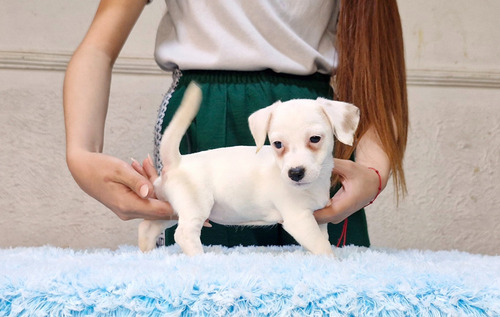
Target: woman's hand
x=118, y=186
x=360, y=185
x=86, y=94
x=148, y=170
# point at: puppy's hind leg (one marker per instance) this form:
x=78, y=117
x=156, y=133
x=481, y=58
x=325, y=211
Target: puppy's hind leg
x=193, y=205
x=187, y=234
x=149, y=230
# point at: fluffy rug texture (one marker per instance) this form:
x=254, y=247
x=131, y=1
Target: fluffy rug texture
x=250, y=281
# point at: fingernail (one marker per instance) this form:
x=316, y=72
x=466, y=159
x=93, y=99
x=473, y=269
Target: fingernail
x=144, y=191
x=150, y=159
x=133, y=160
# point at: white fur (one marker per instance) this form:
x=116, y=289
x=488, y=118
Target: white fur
x=246, y=185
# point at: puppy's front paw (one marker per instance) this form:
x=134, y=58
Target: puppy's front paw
x=323, y=248
x=328, y=252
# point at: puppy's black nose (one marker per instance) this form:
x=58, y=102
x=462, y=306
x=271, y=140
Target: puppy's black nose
x=296, y=173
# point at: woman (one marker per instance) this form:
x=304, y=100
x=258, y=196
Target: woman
x=246, y=55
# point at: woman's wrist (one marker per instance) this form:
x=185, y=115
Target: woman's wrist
x=379, y=190
x=370, y=154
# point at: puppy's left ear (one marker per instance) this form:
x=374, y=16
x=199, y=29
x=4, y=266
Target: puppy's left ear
x=343, y=117
x=259, y=124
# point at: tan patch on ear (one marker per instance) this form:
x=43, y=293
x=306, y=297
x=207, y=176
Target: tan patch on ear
x=350, y=122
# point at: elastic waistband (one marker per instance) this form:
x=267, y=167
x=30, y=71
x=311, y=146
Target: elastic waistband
x=244, y=77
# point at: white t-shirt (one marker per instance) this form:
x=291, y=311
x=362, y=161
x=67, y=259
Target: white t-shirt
x=287, y=36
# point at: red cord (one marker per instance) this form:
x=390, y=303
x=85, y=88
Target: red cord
x=343, y=235
x=379, y=186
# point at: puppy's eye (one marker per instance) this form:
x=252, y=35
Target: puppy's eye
x=277, y=144
x=315, y=139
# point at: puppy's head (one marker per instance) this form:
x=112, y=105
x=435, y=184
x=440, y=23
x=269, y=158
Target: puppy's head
x=301, y=133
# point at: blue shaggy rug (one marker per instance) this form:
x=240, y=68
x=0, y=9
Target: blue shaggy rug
x=253, y=281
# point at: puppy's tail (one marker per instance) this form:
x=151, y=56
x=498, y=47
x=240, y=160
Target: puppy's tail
x=169, y=147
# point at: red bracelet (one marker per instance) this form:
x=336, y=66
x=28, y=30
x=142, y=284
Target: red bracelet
x=379, y=186
x=343, y=235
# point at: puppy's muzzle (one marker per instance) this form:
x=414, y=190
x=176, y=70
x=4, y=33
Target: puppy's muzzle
x=296, y=173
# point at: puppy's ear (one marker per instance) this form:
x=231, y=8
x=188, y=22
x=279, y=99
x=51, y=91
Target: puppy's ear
x=259, y=124
x=343, y=117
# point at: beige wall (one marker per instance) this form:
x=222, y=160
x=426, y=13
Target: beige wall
x=452, y=159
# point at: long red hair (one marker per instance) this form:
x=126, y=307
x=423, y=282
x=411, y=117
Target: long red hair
x=371, y=74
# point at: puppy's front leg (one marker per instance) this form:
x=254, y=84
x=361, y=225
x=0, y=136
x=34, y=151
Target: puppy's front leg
x=324, y=229
x=303, y=227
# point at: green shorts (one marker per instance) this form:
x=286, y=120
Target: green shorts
x=228, y=99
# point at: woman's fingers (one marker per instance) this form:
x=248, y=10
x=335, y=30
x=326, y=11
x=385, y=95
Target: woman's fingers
x=359, y=186
x=150, y=169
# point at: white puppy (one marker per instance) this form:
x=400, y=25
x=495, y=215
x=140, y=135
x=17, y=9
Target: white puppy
x=244, y=185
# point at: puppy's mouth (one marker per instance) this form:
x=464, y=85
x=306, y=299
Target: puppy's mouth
x=301, y=184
